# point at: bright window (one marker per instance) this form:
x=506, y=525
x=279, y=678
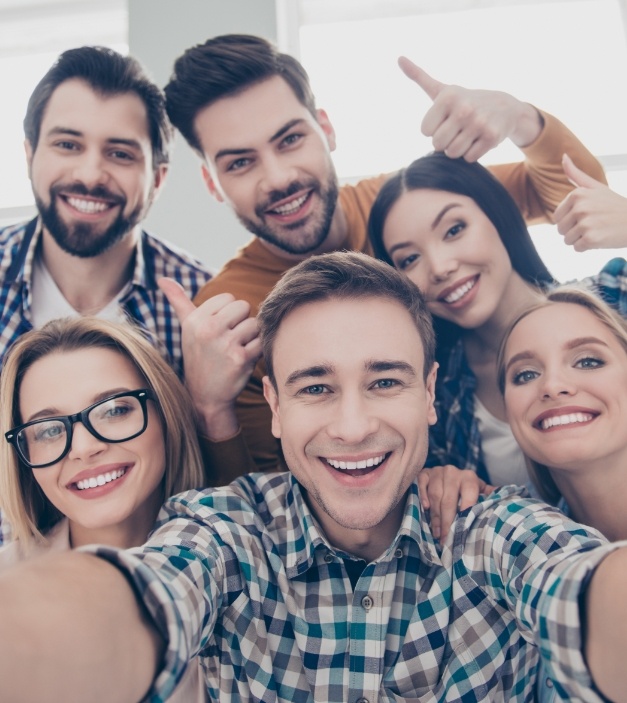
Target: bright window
x=568, y=57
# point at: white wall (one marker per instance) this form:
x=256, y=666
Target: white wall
x=160, y=31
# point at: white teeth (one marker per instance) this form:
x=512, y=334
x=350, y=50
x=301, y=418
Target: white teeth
x=100, y=480
x=460, y=292
x=569, y=419
x=291, y=207
x=352, y=465
x=87, y=206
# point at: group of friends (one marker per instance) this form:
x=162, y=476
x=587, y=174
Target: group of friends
x=378, y=457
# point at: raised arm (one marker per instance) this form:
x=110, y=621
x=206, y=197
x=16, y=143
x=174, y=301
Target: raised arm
x=469, y=122
x=606, y=620
x=72, y=630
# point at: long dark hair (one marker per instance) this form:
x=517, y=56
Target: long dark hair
x=436, y=171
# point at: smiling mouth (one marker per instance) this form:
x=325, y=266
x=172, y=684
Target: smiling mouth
x=357, y=468
x=100, y=480
x=459, y=292
x=564, y=420
x=291, y=207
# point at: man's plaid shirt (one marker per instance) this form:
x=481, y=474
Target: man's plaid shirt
x=143, y=302
x=243, y=577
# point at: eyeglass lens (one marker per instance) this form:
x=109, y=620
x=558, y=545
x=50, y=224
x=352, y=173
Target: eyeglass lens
x=115, y=419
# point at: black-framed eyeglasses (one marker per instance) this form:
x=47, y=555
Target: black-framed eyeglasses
x=118, y=418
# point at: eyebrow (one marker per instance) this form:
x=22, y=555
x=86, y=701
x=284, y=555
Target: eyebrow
x=372, y=366
x=247, y=150
x=54, y=412
x=571, y=344
x=434, y=224
x=66, y=131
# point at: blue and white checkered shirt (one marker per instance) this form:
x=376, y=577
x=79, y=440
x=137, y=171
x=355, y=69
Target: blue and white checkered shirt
x=243, y=577
x=144, y=303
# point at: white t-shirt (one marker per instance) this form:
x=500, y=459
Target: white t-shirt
x=502, y=455
x=48, y=303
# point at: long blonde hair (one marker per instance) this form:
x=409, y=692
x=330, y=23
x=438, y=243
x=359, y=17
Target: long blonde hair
x=27, y=509
x=574, y=295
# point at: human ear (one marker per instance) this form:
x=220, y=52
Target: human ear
x=272, y=398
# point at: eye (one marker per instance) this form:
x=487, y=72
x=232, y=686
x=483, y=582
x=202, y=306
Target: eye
x=291, y=139
x=454, y=230
x=385, y=383
x=524, y=376
x=239, y=164
x=317, y=389
x=47, y=432
x=66, y=145
x=122, y=155
x=406, y=262
x=589, y=362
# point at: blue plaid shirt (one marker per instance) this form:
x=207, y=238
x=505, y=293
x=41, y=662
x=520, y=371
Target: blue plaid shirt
x=455, y=438
x=243, y=577
x=144, y=302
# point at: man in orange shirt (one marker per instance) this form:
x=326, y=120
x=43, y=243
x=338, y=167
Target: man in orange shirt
x=249, y=113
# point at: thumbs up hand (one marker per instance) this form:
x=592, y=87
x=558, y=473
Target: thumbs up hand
x=468, y=123
x=592, y=216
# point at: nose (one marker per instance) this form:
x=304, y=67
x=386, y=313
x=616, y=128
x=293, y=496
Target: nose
x=555, y=383
x=84, y=444
x=352, y=420
x=442, y=264
x=90, y=168
x=278, y=173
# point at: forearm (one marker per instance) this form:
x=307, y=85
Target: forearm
x=606, y=631
x=71, y=629
x=538, y=184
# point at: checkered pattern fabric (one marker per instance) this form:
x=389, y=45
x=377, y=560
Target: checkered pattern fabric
x=243, y=577
x=455, y=438
x=144, y=302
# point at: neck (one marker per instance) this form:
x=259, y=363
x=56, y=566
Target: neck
x=368, y=544
x=518, y=296
x=130, y=532
x=596, y=496
x=89, y=284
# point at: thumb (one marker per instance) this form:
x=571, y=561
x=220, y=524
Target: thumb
x=420, y=77
x=177, y=297
x=576, y=176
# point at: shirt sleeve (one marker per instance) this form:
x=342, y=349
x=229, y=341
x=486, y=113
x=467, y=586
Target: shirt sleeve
x=178, y=576
x=532, y=557
x=538, y=184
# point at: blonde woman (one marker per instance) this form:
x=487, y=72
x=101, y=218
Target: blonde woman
x=99, y=432
x=566, y=400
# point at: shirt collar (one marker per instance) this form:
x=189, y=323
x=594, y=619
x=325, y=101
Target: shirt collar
x=305, y=535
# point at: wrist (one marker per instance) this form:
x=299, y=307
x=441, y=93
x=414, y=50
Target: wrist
x=529, y=126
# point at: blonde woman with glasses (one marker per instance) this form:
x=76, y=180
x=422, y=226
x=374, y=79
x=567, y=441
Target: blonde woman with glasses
x=99, y=432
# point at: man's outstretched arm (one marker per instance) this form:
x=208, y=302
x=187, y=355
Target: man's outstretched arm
x=72, y=630
x=606, y=632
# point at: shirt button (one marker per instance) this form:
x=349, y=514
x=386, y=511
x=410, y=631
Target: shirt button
x=328, y=557
x=366, y=603
x=549, y=683
x=398, y=552
x=362, y=700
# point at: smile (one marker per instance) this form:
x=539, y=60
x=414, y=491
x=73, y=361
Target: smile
x=568, y=419
x=100, y=480
x=89, y=207
x=353, y=465
x=459, y=292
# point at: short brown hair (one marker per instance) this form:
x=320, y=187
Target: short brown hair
x=574, y=295
x=30, y=514
x=224, y=66
x=340, y=276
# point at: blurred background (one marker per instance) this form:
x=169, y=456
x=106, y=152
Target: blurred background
x=568, y=57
